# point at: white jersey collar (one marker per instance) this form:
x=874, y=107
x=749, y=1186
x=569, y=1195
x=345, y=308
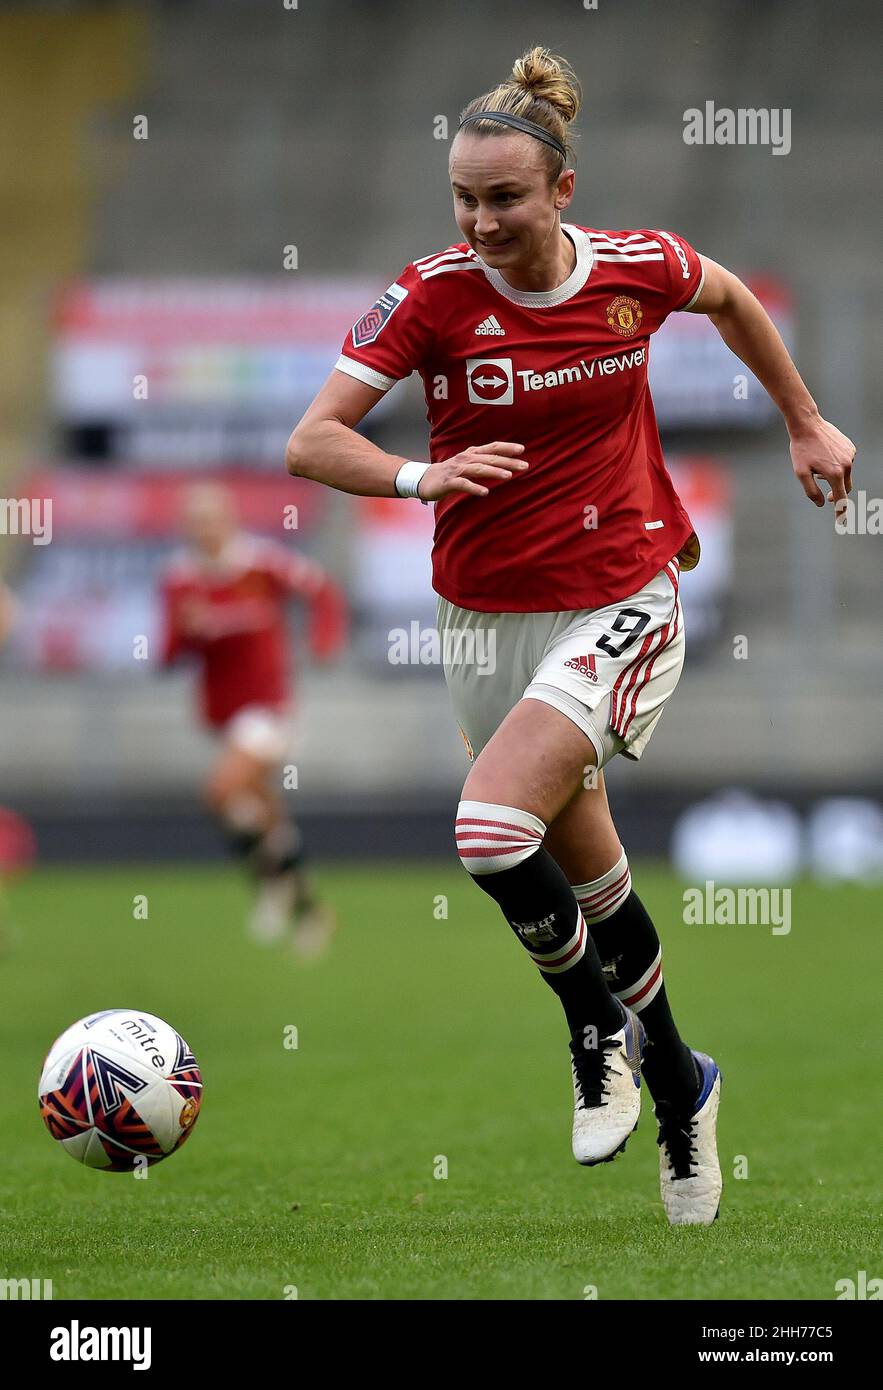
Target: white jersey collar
x=547, y=299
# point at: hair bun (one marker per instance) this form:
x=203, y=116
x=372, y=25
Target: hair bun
x=548, y=78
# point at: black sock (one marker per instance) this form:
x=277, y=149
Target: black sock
x=538, y=903
x=244, y=842
x=272, y=852
x=628, y=944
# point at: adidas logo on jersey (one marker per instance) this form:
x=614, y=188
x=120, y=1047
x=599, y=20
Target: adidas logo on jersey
x=585, y=665
x=491, y=326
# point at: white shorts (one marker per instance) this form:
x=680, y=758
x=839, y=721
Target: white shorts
x=610, y=670
x=265, y=733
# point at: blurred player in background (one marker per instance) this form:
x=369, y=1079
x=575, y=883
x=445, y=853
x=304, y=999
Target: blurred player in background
x=225, y=601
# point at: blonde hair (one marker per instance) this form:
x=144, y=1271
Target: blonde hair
x=542, y=88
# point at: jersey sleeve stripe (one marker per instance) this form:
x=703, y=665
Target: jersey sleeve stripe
x=619, y=240
x=693, y=297
x=610, y=244
x=434, y=256
x=644, y=256
x=430, y=262
x=365, y=374
x=456, y=265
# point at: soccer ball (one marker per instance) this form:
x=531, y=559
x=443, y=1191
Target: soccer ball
x=120, y=1090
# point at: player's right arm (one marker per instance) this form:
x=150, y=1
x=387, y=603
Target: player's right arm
x=326, y=447
x=393, y=339
x=178, y=637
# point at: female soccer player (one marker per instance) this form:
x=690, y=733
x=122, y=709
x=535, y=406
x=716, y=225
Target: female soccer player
x=225, y=602
x=558, y=532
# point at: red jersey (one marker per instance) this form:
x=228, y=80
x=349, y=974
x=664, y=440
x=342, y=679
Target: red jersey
x=231, y=613
x=563, y=372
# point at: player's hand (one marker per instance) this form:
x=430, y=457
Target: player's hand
x=460, y=473
x=820, y=448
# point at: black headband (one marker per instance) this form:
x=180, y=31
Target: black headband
x=519, y=123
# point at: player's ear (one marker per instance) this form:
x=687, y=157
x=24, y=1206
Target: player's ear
x=564, y=189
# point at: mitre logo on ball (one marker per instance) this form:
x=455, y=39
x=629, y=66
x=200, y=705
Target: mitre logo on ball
x=489, y=380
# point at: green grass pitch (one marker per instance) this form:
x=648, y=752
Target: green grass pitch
x=421, y=1039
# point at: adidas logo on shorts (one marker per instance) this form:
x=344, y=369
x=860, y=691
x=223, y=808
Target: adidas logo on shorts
x=491, y=326
x=585, y=665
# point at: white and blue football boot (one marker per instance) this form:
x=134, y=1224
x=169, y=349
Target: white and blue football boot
x=606, y=1091
x=689, y=1171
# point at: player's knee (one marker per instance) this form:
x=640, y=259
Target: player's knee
x=214, y=795
x=491, y=837
x=238, y=807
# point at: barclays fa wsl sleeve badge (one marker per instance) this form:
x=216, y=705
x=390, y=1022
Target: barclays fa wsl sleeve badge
x=372, y=324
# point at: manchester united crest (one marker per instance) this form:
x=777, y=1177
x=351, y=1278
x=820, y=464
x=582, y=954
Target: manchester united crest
x=624, y=315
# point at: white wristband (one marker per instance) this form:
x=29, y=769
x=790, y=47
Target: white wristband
x=408, y=477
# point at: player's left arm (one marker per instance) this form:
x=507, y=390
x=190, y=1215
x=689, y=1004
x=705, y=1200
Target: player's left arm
x=817, y=447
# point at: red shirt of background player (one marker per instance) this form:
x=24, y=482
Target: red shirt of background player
x=564, y=372
x=232, y=615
